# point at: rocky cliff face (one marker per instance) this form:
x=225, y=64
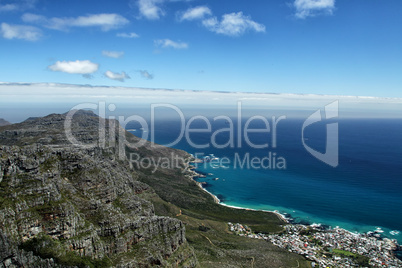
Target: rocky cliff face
x=64, y=204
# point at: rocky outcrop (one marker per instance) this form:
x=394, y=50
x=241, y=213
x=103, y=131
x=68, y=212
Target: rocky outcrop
x=64, y=204
x=12, y=256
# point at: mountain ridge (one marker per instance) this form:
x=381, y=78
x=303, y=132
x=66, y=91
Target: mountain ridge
x=69, y=197
x=4, y=122
x=80, y=204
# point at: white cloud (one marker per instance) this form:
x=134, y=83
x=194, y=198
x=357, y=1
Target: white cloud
x=8, y=7
x=196, y=13
x=74, y=67
x=306, y=8
x=18, y=5
x=33, y=18
x=146, y=74
x=113, y=54
x=151, y=9
x=117, y=76
x=233, y=24
x=127, y=35
x=166, y=43
x=105, y=21
x=24, y=32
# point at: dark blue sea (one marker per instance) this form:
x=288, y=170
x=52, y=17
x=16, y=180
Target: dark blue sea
x=363, y=193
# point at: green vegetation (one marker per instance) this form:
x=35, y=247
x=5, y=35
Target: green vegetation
x=207, y=230
x=344, y=253
x=217, y=247
x=196, y=203
x=359, y=259
x=48, y=164
x=46, y=247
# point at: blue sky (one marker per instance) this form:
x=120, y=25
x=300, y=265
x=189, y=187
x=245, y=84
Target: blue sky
x=341, y=47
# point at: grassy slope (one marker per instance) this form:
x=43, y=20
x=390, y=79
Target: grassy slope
x=217, y=247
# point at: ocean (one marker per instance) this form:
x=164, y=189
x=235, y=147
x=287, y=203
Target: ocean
x=362, y=193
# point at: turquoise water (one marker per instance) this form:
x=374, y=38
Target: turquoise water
x=362, y=194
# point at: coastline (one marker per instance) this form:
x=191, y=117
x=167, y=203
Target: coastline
x=216, y=199
x=396, y=247
x=195, y=174
x=372, y=245
x=281, y=216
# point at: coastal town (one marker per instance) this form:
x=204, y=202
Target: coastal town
x=329, y=248
x=335, y=247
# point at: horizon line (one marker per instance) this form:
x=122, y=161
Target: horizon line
x=2, y=83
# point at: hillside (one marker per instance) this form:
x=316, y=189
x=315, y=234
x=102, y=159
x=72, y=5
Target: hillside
x=4, y=122
x=85, y=205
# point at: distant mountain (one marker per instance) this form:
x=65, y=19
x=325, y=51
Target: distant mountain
x=4, y=122
x=31, y=118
